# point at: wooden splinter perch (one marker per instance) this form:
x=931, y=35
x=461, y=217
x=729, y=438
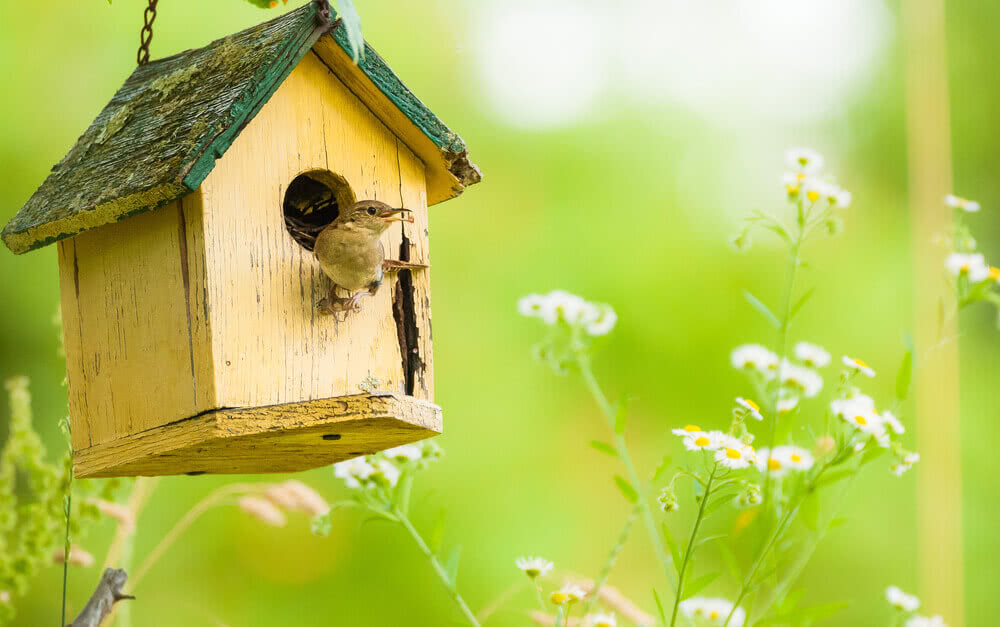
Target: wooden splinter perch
x=108, y=592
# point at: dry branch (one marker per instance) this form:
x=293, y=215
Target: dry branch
x=108, y=592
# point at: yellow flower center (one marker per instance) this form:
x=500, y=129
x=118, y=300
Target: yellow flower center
x=773, y=464
x=796, y=457
x=752, y=404
x=559, y=597
x=812, y=195
x=861, y=363
x=964, y=268
x=692, y=428
x=860, y=420
x=733, y=453
x=714, y=615
x=800, y=176
x=803, y=161
x=994, y=273
x=792, y=189
x=701, y=441
x=602, y=623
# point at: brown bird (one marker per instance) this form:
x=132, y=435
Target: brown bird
x=350, y=253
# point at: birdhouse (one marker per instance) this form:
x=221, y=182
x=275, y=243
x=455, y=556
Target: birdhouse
x=185, y=218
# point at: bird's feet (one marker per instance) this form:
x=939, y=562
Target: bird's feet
x=336, y=305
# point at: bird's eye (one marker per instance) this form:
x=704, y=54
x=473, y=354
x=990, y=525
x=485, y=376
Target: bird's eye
x=371, y=211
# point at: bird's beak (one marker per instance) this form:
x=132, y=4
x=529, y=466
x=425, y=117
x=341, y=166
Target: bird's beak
x=395, y=215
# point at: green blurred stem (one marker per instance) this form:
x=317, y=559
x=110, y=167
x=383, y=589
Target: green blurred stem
x=437, y=566
x=67, y=508
x=690, y=547
x=647, y=515
x=786, y=316
x=602, y=577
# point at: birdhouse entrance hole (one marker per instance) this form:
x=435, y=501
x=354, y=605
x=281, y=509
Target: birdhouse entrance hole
x=312, y=201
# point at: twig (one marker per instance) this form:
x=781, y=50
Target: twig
x=108, y=592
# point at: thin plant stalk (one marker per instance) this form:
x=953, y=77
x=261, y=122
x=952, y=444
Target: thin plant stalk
x=437, y=566
x=690, y=546
x=620, y=446
x=67, y=508
x=602, y=577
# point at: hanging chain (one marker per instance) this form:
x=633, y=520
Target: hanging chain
x=146, y=35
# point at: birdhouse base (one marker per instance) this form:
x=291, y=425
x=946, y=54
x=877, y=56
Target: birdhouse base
x=277, y=438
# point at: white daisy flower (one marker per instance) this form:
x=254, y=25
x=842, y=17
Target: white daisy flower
x=754, y=357
x=386, y=471
x=812, y=355
x=923, y=621
x=734, y=453
x=890, y=419
x=804, y=160
x=784, y=459
x=859, y=411
x=531, y=305
x=752, y=407
x=793, y=182
x=786, y=405
x=842, y=199
x=569, y=593
x=601, y=620
x=715, y=611
x=957, y=202
x=704, y=441
x=973, y=265
x=817, y=189
x=804, y=380
x=405, y=453
x=858, y=365
x=561, y=305
x=900, y=600
x=766, y=460
x=602, y=321
x=353, y=471
x=687, y=430
x=907, y=462
x=534, y=567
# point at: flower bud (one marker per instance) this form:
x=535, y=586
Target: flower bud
x=668, y=501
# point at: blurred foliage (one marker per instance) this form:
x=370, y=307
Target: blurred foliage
x=630, y=205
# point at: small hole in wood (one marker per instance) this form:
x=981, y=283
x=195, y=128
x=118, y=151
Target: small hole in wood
x=312, y=201
x=195, y=473
x=331, y=436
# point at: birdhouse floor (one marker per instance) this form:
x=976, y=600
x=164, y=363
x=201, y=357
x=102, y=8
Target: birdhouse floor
x=277, y=438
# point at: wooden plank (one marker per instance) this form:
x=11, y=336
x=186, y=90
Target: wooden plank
x=270, y=344
x=138, y=349
x=936, y=381
x=284, y=438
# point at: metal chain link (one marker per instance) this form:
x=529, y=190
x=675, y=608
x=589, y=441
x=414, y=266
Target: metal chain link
x=146, y=35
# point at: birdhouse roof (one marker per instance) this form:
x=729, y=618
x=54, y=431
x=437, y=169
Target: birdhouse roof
x=161, y=134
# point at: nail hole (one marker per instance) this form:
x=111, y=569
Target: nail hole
x=331, y=436
x=195, y=473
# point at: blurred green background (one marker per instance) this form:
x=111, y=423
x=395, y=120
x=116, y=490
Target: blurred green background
x=621, y=147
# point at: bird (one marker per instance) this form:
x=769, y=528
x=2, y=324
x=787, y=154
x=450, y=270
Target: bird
x=350, y=253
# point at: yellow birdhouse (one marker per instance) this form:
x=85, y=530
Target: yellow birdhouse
x=185, y=218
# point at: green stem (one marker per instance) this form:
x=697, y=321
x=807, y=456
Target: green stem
x=602, y=577
x=782, y=349
x=437, y=566
x=690, y=546
x=633, y=477
x=67, y=508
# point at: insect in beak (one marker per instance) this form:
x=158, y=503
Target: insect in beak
x=396, y=215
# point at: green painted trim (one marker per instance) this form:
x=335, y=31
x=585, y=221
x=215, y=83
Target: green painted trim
x=262, y=88
x=379, y=72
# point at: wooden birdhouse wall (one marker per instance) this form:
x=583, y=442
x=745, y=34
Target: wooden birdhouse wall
x=178, y=319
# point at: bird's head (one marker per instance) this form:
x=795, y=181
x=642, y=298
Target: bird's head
x=373, y=215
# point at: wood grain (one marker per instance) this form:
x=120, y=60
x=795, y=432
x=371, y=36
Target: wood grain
x=283, y=438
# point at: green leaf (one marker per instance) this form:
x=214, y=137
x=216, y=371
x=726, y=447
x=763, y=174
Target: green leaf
x=604, y=447
x=352, y=25
x=762, y=309
x=451, y=564
x=695, y=586
x=260, y=4
x=718, y=503
x=659, y=607
x=801, y=302
x=905, y=370
x=620, y=414
x=662, y=468
x=322, y=525
x=437, y=533
x=833, y=477
x=840, y=521
x=626, y=489
x=732, y=563
x=818, y=613
x=675, y=555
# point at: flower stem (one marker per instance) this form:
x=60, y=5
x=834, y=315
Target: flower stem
x=602, y=577
x=437, y=566
x=643, y=505
x=690, y=547
x=67, y=508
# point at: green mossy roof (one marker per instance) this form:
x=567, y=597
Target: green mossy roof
x=161, y=134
